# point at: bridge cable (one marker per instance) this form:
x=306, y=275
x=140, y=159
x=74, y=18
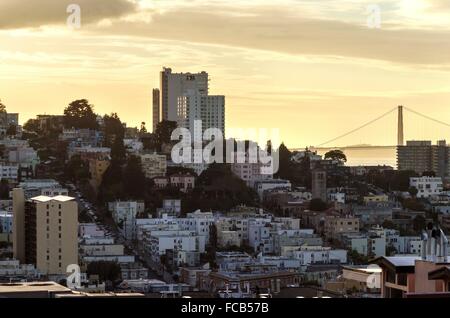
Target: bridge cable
x=427, y=117
x=360, y=127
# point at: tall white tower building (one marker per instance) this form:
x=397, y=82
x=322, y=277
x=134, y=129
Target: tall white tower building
x=210, y=109
x=174, y=85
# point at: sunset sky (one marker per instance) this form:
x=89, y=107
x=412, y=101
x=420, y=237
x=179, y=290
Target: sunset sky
x=312, y=68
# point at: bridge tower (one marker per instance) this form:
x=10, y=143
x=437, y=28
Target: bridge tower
x=400, y=140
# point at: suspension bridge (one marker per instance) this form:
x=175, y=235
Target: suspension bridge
x=444, y=126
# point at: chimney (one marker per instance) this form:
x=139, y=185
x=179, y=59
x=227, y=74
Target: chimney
x=424, y=250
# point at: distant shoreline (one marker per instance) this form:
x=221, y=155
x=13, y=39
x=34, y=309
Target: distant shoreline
x=356, y=147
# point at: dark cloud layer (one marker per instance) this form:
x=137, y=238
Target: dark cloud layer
x=280, y=31
x=276, y=29
x=25, y=13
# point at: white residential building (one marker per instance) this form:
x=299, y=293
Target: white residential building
x=13, y=268
x=158, y=242
x=427, y=186
x=6, y=222
x=9, y=172
x=320, y=255
x=171, y=207
x=260, y=237
x=367, y=246
x=90, y=230
x=193, y=106
x=174, y=85
x=124, y=214
x=23, y=156
x=266, y=185
x=102, y=250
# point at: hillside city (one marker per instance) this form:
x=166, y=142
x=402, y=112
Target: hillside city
x=91, y=207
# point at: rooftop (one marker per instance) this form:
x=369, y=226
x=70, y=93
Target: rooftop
x=59, y=198
x=32, y=287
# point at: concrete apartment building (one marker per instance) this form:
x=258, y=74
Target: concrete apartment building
x=45, y=232
x=193, y=106
x=154, y=165
x=124, y=214
x=421, y=156
x=250, y=168
x=156, y=110
x=334, y=226
x=427, y=186
x=174, y=85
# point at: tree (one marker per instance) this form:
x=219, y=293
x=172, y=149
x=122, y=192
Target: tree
x=163, y=132
x=419, y=223
x=12, y=130
x=337, y=155
x=388, y=224
x=413, y=191
x=2, y=107
x=212, y=246
x=4, y=189
x=413, y=204
x=391, y=250
x=80, y=114
x=213, y=235
x=76, y=169
x=134, y=178
x=143, y=129
x=218, y=188
x=430, y=174
x=105, y=270
x=317, y=205
x=118, y=151
x=112, y=187
x=357, y=258
x=31, y=125
x=113, y=129
x=285, y=170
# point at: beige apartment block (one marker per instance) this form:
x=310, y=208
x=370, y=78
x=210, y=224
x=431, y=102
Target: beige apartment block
x=45, y=232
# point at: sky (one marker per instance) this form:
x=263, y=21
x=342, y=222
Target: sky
x=314, y=69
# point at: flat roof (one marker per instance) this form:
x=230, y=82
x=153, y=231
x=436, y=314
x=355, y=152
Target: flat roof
x=397, y=263
x=59, y=198
x=28, y=287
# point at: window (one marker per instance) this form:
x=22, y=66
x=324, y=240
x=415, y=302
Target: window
x=59, y=235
